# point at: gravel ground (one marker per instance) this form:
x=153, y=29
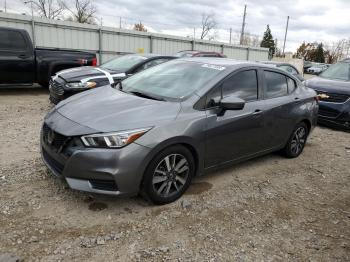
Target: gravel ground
x=267, y=209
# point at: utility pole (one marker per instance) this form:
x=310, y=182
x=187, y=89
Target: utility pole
x=285, y=36
x=120, y=22
x=230, y=35
x=194, y=33
x=5, y=6
x=243, y=25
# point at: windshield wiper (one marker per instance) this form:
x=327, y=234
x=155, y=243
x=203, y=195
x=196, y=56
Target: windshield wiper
x=140, y=94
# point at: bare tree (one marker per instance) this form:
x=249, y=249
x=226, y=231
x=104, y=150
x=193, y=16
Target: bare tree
x=208, y=24
x=337, y=50
x=51, y=9
x=83, y=11
x=140, y=27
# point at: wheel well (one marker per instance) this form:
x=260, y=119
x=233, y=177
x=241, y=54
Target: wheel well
x=186, y=145
x=308, y=124
x=194, y=154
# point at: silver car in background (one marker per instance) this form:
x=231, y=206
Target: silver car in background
x=156, y=130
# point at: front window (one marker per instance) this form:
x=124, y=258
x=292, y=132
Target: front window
x=174, y=80
x=339, y=71
x=123, y=63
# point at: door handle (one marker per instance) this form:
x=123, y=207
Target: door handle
x=257, y=112
x=296, y=98
x=23, y=56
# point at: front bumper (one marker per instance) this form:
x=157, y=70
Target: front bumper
x=58, y=92
x=103, y=171
x=335, y=114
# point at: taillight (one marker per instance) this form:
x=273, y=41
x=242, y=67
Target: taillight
x=94, y=61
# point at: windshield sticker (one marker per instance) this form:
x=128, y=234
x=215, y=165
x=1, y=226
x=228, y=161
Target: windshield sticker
x=216, y=67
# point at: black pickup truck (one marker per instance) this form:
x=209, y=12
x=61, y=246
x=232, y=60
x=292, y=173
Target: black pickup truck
x=20, y=63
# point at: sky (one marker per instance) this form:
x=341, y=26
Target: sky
x=313, y=20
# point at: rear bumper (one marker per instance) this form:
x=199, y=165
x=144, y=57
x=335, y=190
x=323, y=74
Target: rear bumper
x=103, y=171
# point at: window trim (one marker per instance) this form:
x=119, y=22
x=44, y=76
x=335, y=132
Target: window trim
x=265, y=83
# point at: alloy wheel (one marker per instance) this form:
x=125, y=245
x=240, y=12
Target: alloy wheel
x=170, y=175
x=298, y=140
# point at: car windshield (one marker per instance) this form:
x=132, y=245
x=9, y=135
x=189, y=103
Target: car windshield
x=123, y=63
x=340, y=71
x=173, y=80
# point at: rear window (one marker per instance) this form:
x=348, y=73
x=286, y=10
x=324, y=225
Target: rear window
x=12, y=40
x=276, y=84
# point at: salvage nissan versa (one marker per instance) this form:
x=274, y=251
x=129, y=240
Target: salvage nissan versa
x=156, y=130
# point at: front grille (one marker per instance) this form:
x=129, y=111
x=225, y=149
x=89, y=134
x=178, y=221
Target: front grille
x=54, y=139
x=328, y=113
x=55, y=165
x=333, y=97
x=108, y=185
x=56, y=88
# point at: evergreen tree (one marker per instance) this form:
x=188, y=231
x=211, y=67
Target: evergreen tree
x=319, y=54
x=268, y=42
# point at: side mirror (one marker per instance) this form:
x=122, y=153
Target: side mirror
x=115, y=83
x=232, y=103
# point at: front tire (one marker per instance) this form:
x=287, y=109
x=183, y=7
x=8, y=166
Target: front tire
x=168, y=175
x=297, y=141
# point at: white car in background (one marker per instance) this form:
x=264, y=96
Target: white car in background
x=317, y=69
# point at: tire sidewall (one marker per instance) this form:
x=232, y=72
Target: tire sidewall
x=147, y=185
x=288, y=150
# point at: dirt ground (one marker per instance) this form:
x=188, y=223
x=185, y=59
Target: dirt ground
x=267, y=209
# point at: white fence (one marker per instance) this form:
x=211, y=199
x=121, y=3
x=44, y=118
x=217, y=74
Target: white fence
x=108, y=42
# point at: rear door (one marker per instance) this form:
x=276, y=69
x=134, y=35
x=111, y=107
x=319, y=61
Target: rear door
x=280, y=102
x=16, y=57
x=235, y=134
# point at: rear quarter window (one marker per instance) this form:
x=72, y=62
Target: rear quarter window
x=12, y=40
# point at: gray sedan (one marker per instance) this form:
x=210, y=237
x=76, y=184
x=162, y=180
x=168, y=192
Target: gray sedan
x=155, y=131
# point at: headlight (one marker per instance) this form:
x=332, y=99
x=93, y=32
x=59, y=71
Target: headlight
x=113, y=140
x=81, y=85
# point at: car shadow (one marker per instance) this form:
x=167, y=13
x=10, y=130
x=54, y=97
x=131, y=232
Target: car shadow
x=22, y=90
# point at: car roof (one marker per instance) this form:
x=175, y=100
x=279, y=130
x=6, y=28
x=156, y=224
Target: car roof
x=346, y=60
x=227, y=62
x=275, y=63
x=149, y=55
x=198, y=51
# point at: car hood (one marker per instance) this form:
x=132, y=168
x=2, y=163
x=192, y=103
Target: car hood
x=329, y=85
x=107, y=110
x=79, y=73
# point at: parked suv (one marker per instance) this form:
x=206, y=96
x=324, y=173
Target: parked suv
x=20, y=63
x=333, y=87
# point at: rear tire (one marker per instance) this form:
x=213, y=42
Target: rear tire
x=297, y=141
x=168, y=175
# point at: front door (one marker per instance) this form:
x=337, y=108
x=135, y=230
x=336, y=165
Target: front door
x=235, y=134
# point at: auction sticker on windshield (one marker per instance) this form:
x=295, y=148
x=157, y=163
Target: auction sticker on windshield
x=216, y=67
